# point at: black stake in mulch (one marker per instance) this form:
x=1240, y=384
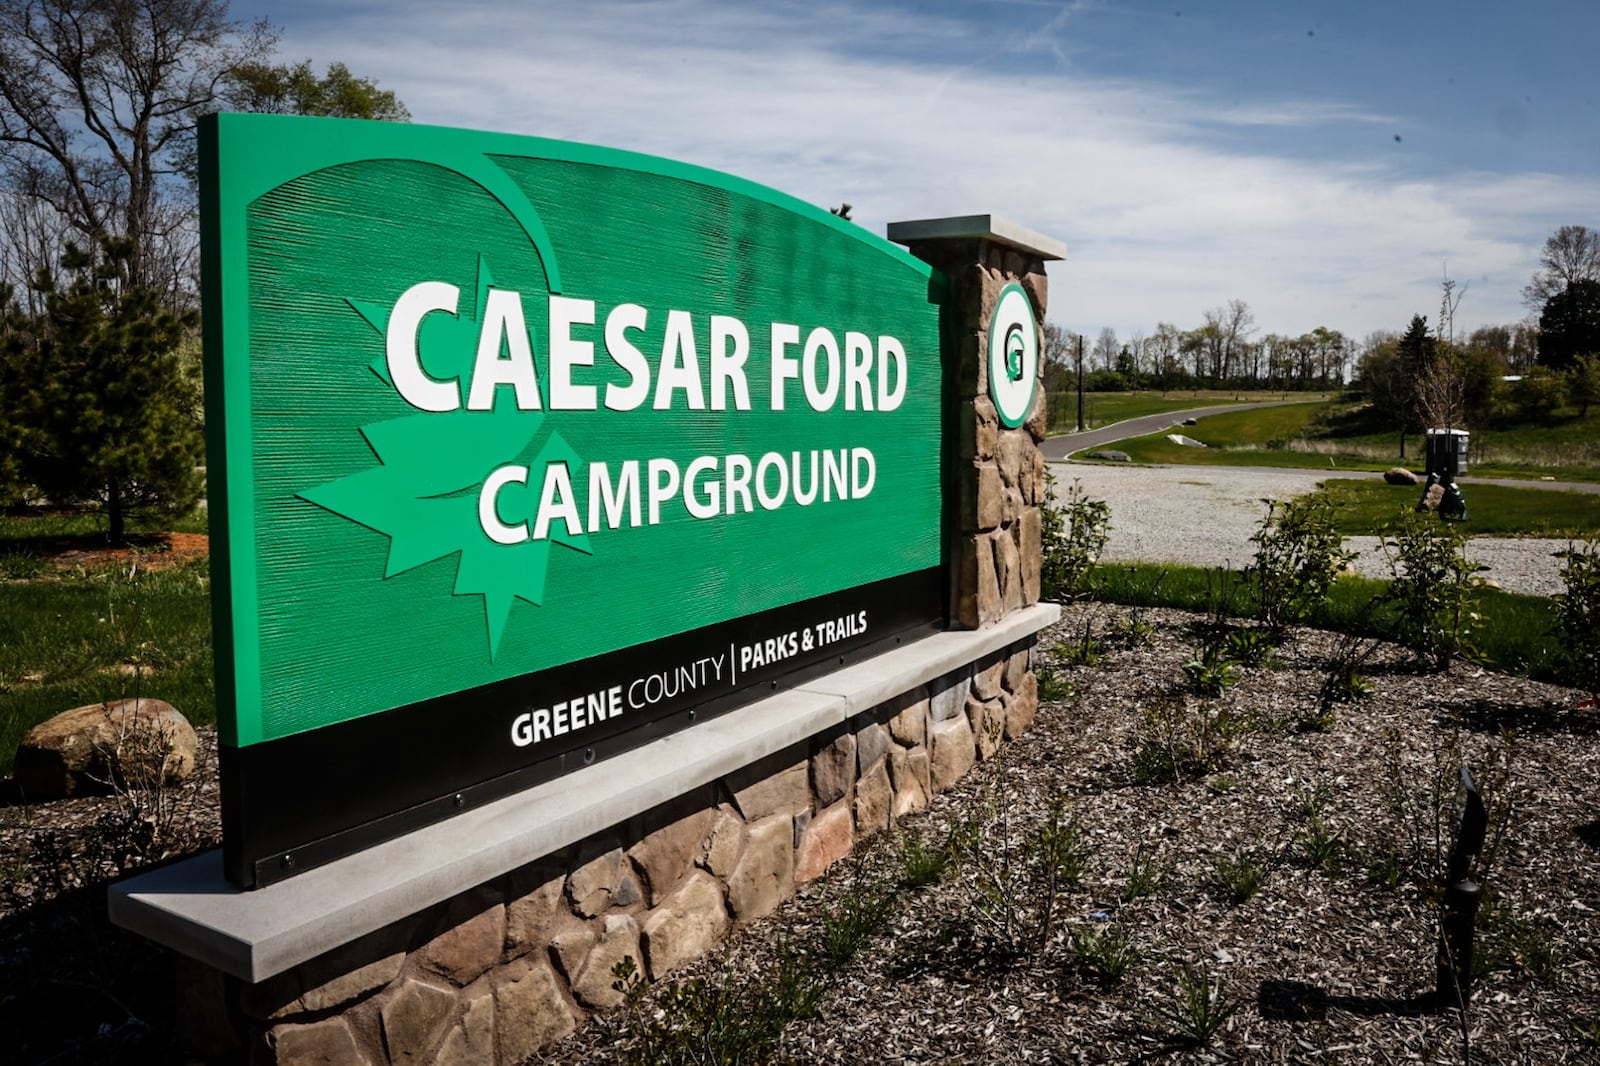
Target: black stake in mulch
x=1459, y=909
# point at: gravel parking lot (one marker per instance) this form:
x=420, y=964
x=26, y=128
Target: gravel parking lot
x=1205, y=516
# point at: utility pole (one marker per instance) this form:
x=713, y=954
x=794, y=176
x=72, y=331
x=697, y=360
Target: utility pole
x=1080, y=383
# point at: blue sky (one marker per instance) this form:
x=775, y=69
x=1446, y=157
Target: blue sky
x=1322, y=161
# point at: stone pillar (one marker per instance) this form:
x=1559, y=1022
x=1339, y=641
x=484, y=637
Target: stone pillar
x=996, y=470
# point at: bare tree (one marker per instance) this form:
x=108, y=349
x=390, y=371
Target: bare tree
x=1571, y=253
x=1105, y=349
x=98, y=100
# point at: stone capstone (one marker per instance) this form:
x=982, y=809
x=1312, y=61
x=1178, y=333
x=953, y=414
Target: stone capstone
x=689, y=924
x=132, y=743
x=414, y=1019
x=530, y=1013
x=325, y=1043
x=829, y=838
x=764, y=877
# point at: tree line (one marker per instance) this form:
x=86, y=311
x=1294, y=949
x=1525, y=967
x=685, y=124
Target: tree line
x=99, y=352
x=1218, y=353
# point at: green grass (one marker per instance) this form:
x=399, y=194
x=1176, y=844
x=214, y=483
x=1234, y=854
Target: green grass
x=1341, y=435
x=1514, y=637
x=1247, y=438
x=35, y=531
x=79, y=638
x=1368, y=506
x=1105, y=408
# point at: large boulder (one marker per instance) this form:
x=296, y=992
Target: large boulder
x=134, y=743
x=1399, y=475
x=1111, y=455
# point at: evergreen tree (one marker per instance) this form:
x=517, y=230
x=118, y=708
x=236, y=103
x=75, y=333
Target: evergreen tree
x=107, y=411
x=1570, y=325
x=14, y=336
x=1413, y=358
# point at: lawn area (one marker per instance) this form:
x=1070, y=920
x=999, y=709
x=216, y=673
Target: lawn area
x=1338, y=435
x=1244, y=438
x=1368, y=506
x=1106, y=408
x=137, y=626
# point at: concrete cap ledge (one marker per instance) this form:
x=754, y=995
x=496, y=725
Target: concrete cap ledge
x=190, y=907
x=983, y=227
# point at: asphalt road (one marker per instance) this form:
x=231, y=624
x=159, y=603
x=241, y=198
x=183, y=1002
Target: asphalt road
x=1057, y=448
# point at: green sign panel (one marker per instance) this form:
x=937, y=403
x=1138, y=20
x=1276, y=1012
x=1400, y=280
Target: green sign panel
x=483, y=406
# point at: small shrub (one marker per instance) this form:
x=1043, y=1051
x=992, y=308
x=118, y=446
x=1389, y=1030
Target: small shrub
x=1512, y=942
x=921, y=865
x=1104, y=952
x=848, y=925
x=1198, y=1009
x=1177, y=740
x=726, y=1020
x=1240, y=875
x=1578, y=616
x=1073, y=533
x=1298, y=554
x=1210, y=672
x=1323, y=846
x=1132, y=629
x=1052, y=686
x=1147, y=873
x=1433, y=596
x=1248, y=647
x=1085, y=651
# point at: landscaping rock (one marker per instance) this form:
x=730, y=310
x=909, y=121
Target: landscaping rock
x=133, y=743
x=1399, y=475
x=1110, y=455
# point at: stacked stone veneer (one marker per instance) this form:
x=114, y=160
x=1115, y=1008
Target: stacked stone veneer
x=509, y=967
x=995, y=560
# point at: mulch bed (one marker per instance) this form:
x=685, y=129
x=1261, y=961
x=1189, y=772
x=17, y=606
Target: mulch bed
x=1320, y=964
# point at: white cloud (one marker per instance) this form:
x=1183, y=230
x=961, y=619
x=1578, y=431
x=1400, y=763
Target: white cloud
x=843, y=103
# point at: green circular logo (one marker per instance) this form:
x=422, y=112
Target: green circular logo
x=1013, y=355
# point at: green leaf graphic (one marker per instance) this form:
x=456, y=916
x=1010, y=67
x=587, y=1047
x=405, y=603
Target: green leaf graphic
x=424, y=494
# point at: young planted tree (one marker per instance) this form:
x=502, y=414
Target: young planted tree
x=106, y=411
